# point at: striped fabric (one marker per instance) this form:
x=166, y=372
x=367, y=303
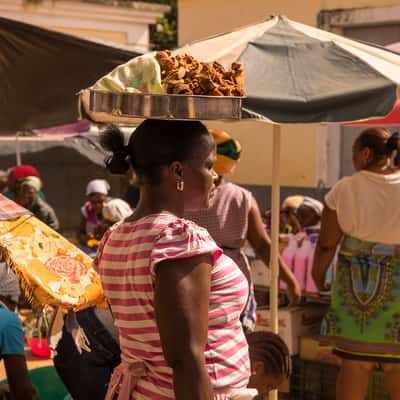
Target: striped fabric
x=10, y=210
x=127, y=260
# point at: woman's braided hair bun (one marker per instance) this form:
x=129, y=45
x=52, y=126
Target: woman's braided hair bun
x=112, y=139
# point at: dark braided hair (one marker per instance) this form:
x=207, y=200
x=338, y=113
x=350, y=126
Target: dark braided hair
x=270, y=349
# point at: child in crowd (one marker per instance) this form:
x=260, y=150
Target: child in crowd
x=270, y=362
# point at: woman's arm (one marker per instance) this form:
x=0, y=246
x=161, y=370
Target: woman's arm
x=329, y=238
x=182, y=291
x=261, y=243
x=18, y=379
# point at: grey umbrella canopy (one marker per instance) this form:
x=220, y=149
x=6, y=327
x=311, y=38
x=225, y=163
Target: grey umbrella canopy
x=299, y=74
x=293, y=77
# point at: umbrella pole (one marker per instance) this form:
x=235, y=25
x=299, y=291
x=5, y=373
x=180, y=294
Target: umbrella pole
x=274, y=260
x=18, y=148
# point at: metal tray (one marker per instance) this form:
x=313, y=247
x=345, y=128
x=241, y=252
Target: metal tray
x=163, y=106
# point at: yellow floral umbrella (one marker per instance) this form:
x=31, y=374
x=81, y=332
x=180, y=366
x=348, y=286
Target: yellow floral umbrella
x=50, y=269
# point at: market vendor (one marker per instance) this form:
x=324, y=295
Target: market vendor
x=92, y=224
x=309, y=213
x=12, y=340
x=289, y=222
x=16, y=175
x=28, y=196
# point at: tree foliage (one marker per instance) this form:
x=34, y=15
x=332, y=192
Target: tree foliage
x=163, y=34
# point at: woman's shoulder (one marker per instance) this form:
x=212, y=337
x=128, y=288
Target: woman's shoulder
x=232, y=192
x=163, y=224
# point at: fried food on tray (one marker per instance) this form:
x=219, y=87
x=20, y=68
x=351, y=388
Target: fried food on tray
x=183, y=74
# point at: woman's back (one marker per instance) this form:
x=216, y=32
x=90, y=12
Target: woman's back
x=366, y=204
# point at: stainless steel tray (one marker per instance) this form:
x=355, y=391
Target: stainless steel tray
x=163, y=106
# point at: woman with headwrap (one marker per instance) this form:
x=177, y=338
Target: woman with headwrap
x=12, y=339
x=16, y=175
x=234, y=217
x=27, y=195
x=92, y=225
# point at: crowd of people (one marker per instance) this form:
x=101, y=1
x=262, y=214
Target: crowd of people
x=178, y=282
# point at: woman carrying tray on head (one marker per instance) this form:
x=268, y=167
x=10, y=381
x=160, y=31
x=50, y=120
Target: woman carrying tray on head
x=362, y=214
x=175, y=297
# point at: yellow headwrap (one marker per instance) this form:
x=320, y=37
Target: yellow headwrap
x=228, y=152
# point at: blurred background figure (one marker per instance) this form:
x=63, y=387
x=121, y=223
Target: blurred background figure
x=16, y=175
x=309, y=213
x=116, y=210
x=289, y=222
x=3, y=180
x=12, y=340
x=27, y=195
x=92, y=224
x=270, y=362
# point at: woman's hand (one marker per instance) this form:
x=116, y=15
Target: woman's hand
x=294, y=293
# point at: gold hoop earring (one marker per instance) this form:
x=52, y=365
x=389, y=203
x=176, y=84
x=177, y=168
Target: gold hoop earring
x=180, y=185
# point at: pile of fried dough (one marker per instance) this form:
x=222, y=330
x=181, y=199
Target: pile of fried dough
x=182, y=74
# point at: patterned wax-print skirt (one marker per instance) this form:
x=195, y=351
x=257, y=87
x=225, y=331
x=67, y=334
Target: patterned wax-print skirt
x=363, y=321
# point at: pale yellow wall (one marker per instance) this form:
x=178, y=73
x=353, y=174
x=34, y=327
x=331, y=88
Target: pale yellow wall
x=297, y=153
x=115, y=37
x=202, y=18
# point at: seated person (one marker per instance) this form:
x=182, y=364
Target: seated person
x=27, y=195
x=96, y=365
x=16, y=175
x=116, y=210
x=92, y=224
x=270, y=362
x=12, y=340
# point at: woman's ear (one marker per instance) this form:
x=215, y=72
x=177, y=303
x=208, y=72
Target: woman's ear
x=176, y=170
x=367, y=154
x=257, y=368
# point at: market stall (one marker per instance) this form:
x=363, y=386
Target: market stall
x=294, y=74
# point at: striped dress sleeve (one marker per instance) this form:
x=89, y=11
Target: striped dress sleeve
x=182, y=239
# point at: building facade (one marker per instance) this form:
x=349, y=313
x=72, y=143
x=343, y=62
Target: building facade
x=128, y=26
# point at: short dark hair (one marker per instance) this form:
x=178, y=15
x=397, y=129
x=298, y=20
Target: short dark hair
x=270, y=349
x=381, y=142
x=154, y=143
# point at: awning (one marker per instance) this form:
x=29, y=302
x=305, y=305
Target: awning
x=42, y=71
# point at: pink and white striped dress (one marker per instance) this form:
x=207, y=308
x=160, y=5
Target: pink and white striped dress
x=127, y=260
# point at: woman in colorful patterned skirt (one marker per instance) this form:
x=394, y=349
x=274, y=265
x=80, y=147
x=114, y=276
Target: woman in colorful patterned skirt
x=362, y=213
